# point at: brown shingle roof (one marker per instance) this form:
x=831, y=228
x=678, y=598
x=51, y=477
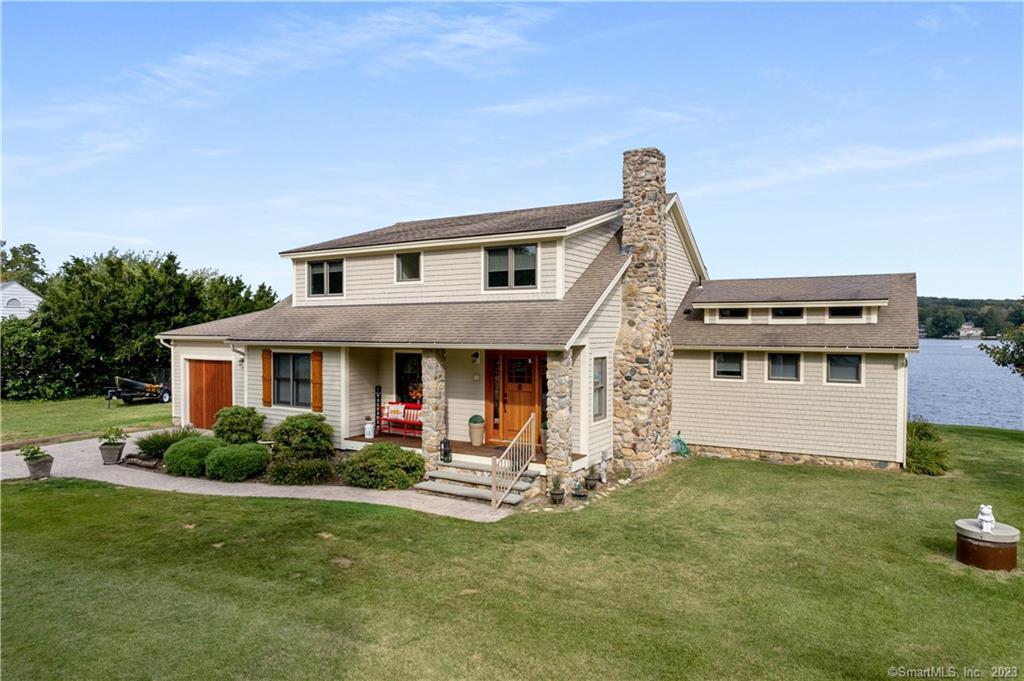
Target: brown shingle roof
x=526, y=323
x=794, y=289
x=896, y=326
x=482, y=224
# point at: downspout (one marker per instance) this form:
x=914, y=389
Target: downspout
x=166, y=344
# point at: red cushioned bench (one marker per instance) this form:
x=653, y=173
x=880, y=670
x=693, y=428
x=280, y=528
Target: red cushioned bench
x=408, y=423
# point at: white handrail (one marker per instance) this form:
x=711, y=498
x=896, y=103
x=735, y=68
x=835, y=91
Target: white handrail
x=513, y=462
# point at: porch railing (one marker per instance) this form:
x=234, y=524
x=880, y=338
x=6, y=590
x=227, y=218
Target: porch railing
x=513, y=462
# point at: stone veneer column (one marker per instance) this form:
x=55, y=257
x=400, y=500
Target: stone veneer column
x=643, y=349
x=558, y=446
x=435, y=404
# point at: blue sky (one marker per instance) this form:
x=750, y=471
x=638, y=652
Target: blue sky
x=803, y=138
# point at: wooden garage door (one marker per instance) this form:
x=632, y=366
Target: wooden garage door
x=209, y=390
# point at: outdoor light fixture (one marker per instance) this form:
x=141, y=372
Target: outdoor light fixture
x=446, y=451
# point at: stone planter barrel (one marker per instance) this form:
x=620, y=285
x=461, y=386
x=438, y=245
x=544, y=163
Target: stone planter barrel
x=39, y=468
x=995, y=550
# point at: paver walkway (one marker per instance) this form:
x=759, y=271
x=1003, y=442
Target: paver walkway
x=81, y=459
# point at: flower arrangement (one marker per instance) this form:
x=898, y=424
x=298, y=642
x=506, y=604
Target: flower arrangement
x=415, y=391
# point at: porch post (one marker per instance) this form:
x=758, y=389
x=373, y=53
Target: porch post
x=558, y=447
x=435, y=404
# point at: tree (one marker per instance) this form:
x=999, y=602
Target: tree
x=1009, y=352
x=993, y=319
x=24, y=265
x=944, y=321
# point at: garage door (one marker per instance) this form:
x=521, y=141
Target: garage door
x=209, y=390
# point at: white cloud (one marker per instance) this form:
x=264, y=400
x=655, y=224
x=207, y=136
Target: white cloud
x=853, y=159
x=552, y=103
x=104, y=238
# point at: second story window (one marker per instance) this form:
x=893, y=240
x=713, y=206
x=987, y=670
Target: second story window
x=845, y=312
x=733, y=313
x=787, y=313
x=407, y=266
x=511, y=267
x=327, y=278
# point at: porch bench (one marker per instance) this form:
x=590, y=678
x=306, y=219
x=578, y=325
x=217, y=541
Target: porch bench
x=408, y=423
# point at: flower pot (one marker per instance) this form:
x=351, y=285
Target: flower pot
x=592, y=482
x=39, y=468
x=111, y=453
x=476, y=434
x=557, y=497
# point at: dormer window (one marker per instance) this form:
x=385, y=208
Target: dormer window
x=733, y=313
x=846, y=312
x=787, y=313
x=511, y=267
x=327, y=278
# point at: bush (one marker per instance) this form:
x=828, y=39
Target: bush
x=188, y=456
x=299, y=472
x=303, y=436
x=238, y=425
x=384, y=466
x=927, y=453
x=234, y=463
x=154, y=445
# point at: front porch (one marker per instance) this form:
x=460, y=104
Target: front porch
x=459, y=447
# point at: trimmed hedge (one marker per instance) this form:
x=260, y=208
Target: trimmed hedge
x=238, y=425
x=299, y=472
x=188, y=457
x=234, y=463
x=154, y=445
x=303, y=436
x=384, y=466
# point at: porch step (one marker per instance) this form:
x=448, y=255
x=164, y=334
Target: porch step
x=528, y=474
x=474, y=479
x=466, y=492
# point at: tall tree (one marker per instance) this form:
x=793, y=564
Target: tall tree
x=24, y=265
x=944, y=321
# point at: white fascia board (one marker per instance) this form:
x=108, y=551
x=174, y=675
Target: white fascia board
x=793, y=303
x=675, y=209
x=794, y=348
x=350, y=344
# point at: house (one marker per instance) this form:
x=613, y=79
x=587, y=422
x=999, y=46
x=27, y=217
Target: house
x=969, y=331
x=595, y=320
x=17, y=301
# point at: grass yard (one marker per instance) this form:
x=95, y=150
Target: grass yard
x=66, y=420
x=714, y=570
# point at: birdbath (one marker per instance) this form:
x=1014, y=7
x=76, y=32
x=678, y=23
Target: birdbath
x=986, y=544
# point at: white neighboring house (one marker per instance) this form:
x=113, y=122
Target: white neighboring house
x=17, y=301
x=969, y=330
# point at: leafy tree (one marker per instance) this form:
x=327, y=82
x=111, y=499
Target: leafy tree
x=1009, y=352
x=946, y=320
x=993, y=319
x=24, y=265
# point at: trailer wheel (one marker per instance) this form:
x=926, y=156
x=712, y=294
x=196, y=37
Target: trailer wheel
x=127, y=400
x=165, y=397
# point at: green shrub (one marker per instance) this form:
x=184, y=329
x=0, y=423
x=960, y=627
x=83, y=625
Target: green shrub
x=238, y=425
x=188, y=456
x=113, y=436
x=303, y=436
x=234, y=463
x=927, y=453
x=154, y=445
x=384, y=466
x=32, y=453
x=299, y=472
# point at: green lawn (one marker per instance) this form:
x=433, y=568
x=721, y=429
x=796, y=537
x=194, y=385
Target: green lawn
x=76, y=419
x=714, y=570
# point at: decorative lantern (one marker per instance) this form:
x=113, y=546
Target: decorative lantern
x=446, y=451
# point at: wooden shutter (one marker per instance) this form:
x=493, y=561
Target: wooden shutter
x=268, y=374
x=317, y=366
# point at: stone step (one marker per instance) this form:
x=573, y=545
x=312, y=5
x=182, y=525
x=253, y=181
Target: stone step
x=483, y=480
x=465, y=492
x=475, y=467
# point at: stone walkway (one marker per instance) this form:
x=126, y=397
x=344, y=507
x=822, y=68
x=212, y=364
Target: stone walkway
x=81, y=459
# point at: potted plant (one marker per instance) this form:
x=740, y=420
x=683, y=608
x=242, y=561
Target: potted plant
x=555, y=490
x=476, y=430
x=112, y=444
x=579, y=490
x=38, y=461
x=593, y=477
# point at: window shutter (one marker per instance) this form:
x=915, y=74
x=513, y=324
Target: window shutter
x=317, y=365
x=268, y=368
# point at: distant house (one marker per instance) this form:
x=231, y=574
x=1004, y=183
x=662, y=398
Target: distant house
x=17, y=301
x=969, y=330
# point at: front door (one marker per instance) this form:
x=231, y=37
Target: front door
x=514, y=391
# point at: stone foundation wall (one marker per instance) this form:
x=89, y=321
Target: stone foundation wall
x=558, y=444
x=435, y=404
x=714, y=452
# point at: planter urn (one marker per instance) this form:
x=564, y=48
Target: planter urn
x=111, y=453
x=476, y=434
x=557, y=496
x=592, y=481
x=39, y=468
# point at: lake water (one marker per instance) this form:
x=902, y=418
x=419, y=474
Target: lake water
x=952, y=381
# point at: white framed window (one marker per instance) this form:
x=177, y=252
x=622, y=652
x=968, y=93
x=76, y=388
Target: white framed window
x=326, y=278
x=784, y=366
x=846, y=312
x=847, y=369
x=293, y=379
x=787, y=313
x=511, y=267
x=727, y=366
x=408, y=267
x=600, y=397
x=733, y=313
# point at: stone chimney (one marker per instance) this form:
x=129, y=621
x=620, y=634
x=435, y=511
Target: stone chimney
x=643, y=349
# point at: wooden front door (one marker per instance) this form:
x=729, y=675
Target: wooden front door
x=514, y=391
x=209, y=390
